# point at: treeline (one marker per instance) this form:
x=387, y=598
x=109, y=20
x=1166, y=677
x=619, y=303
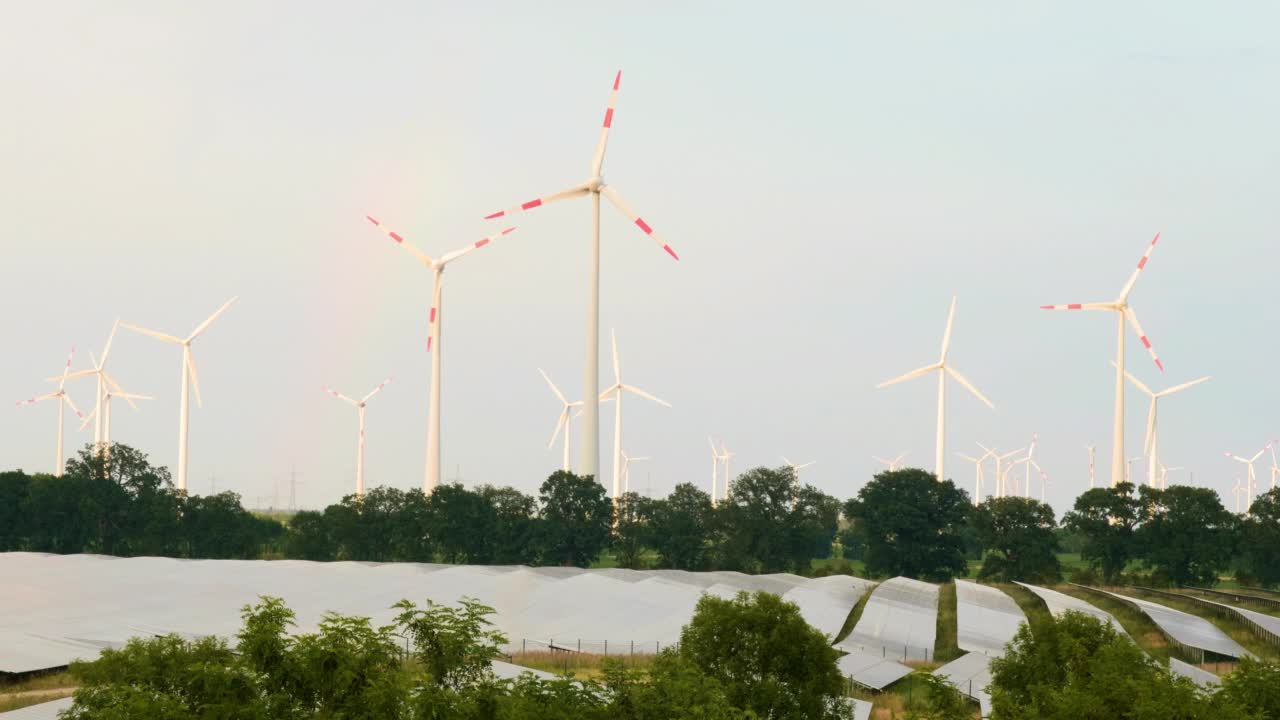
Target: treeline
x=900, y=523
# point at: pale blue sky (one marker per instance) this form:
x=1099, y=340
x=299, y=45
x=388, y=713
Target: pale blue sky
x=830, y=176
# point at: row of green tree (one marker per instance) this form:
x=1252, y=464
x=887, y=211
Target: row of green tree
x=900, y=523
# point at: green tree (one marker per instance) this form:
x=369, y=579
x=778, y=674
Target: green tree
x=942, y=700
x=911, y=524
x=1185, y=534
x=512, y=534
x=15, y=488
x=1105, y=519
x=682, y=528
x=767, y=658
x=632, y=529
x=454, y=645
x=673, y=687
x=1019, y=536
x=576, y=519
x=768, y=524
x=459, y=524
x=1259, y=538
x=1253, y=686
x=309, y=537
x=218, y=526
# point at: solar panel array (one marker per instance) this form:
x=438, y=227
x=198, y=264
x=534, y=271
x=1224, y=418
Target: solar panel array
x=971, y=675
x=1060, y=603
x=986, y=618
x=900, y=620
x=1203, y=678
x=56, y=608
x=1186, y=629
x=872, y=670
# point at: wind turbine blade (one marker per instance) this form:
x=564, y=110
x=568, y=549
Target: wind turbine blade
x=67, y=399
x=597, y=160
x=195, y=377
x=575, y=191
x=115, y=390
x=339, y=395
x=34, y=400
x=205, y=325
x=637, y=391
x=153, y=333
x=946, y=335
x=622, y=206
x=450, y=257
x=968, y=386
x=107, y=350
x=909, y=376
x=88, y=419
x=1133, y=321
x=424, y=258
x=617, y=368
x=1151, y=425
x=74, y=375
x=131, y=396
x=553, y=387
x=1135, y=381
x=1183, y=386
x=785, y=461
x=801, y=467
x=1080, y=306
x=437, y=287
x=376, y=390
x=564, y=419
x=1128, y=286
x=67, y=368
x=970, y=458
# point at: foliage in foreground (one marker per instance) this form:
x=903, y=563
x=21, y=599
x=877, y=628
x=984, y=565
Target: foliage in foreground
x=352, y=670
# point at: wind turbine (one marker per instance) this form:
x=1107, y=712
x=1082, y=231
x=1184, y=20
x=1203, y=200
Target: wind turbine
x=1090, y=448
x=1275, y=468
x=190, y=379
x=978, y=462
x=943, y=370
x=626, y=469
x=113, y=391
x=64, y=402
x=1236, y=492
x=436, y=266
x=1008, y=471
x=1128, y=468
x=795, y=469
x=715, y=469
x=1031, y=452
x=892, y=465
x=1123, y=311
x=566, y=419
x=614, y=392
x=1044, y=479
x=104, y=382
x=359, y=406
x=1153, y=459
x=1164, y=475
x=725, y=455
x=1251, y=481
x=595, y=187
x=1000, y=487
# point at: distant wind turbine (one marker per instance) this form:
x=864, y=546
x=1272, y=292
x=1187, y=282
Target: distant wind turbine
x=1090, y=448
x=943, y=370
x=1000, y=474
x=434, y=337
x=113, y=391
x=190, y=379
x=64, y=402
x=626, y=469
x=1153, y=456
x=359, y=405
x=1251, y=479
x=566, y=419
x=1123, y=311
x=615, y=392
x=795, y=470
x=103, y=381
x=892, y=464
x=978, y=463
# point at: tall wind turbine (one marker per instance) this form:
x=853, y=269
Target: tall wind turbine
x=190, y=379
x=1031, y=453
x=1164, y=475
x=566, y=419
x=113, y=391
x=64, y=402
x=943, y=370
x=1275, y=468
x=1153, y=457
x=715, y=468
x=626, y=469
x=725, y=455
x=359, y=406
x=1000, y=474
x=614, y=392
x=1123, y=311
x=1251, y=479
x=103, y=382
x=436, y=266
x=1237, y=492
x=1128, y=468
x=978, y=463
x=892, y=464
x=595, y=187
x=1090, y=448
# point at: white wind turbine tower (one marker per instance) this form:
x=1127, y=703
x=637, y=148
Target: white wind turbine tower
x=1275, y=468
x=1090, y=448
x=978, y=463
x=113, y=391
x=1164, y=475
x=595, y=187
x=1251, y=478
x=715, y=468
x=360, y=407
x=64, y=402
x=614, y=392
x=1008, y=471
x=190, y=380
x=103, y=382
x=437, y=267
x=566, y=419
x=943, y=370
x=626, y=469
x=1031, y=453
x=725, y=455
x=1237, y=492
x=1123, y=311
x=1150, y=446
x=1044, y=479
x=893, y=464
x=1000, y=474
x=1128, y=468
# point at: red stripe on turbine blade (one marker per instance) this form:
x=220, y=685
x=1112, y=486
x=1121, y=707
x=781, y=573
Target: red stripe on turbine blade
x=433, y=318
x=428, y=344
x=370, y=219
x=482, y=243
x=1142, y=262
x=531, y=204
x=1159, y=364
x=1155, y=239
x=396, y=237
x=670, y=252
x=640, y=223
x=617, y=80
x=508, y=230
x=608, y=117
x=498, y=214
x=1046, y=307
x=1075, y=306
x=1145, y=342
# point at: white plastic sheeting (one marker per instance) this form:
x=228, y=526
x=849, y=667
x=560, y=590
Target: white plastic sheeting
x=970, y=674
x=871, y=670
x=1188, y=630
x=41, y=711
x=900, y=619
x=57, y=608
x=986, y=618
x=1060, y=603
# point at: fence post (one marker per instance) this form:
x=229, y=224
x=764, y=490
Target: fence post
x=579, y=644
x=606, y=647
x=523, y=647
x=633, y=648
